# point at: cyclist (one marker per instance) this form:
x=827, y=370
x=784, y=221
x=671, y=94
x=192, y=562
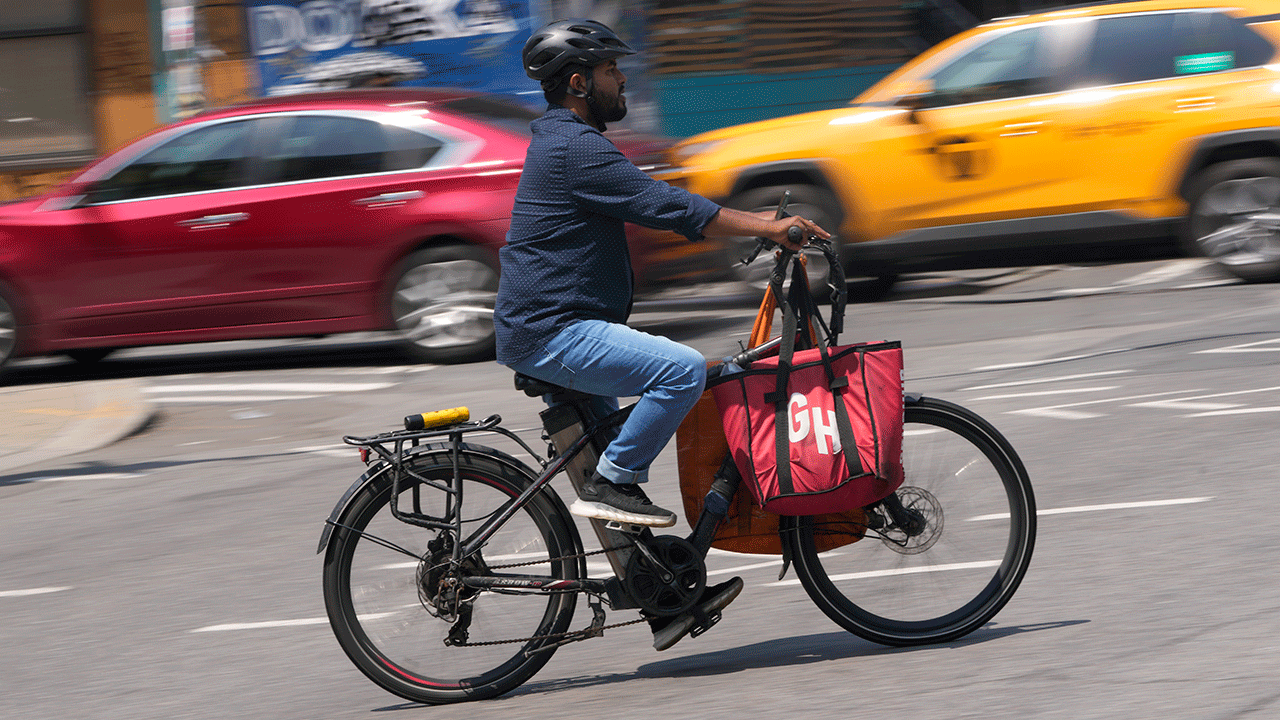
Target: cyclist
x=566, y=285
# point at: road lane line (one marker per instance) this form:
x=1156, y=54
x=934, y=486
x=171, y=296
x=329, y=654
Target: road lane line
x=93, y=476
x=1097, y=508
x=1238, y=411
x=899, y=571
x=228, y=627
x=1244, y=348
x=1057, y=411
x=1038, y=393
x=32, y=591
x=299, y=387
x=230, y=398
x=1058, y=378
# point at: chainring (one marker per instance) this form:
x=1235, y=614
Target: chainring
x=672, y=588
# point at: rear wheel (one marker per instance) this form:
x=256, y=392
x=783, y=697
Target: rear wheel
x=442, y=304
x=971, y=499
x=394, y=610
x=1235, y=217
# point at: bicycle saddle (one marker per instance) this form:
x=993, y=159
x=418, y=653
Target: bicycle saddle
x=534, y=387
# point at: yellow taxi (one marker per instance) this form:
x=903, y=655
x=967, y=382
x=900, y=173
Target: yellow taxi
x=1096, y=125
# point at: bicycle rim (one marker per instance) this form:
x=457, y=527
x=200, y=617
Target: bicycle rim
x=381, y=607
x=964, y=477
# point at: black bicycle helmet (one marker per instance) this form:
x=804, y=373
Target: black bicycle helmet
x=570, y=42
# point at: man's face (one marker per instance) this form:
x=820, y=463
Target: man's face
x=610, y=84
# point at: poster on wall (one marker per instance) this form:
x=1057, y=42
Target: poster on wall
x=311, y=45
x=316, y=45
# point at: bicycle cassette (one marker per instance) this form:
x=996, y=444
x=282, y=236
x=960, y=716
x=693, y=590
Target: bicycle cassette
x=665, y=576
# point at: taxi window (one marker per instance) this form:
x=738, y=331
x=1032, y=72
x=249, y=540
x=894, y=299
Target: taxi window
x=1010, y=65
x=1137, y=48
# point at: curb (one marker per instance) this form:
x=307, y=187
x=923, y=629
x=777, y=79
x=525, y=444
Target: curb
x=45, y=422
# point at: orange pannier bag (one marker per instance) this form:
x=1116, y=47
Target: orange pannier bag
x=701, y=448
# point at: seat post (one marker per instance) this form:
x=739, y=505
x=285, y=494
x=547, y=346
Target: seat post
x=564, y=424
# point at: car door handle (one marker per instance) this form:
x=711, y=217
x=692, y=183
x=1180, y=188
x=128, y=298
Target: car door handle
x=213, y=221
x=1020, y=129
x=1195, y=103
x=390, y=198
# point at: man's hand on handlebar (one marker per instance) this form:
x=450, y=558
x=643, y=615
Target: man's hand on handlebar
x=781, y=236
x=737, y=222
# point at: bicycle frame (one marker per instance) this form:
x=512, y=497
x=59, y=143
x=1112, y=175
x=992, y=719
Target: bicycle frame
x=401, y=444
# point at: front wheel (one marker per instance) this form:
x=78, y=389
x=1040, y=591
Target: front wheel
x=392, y=601
x=943, y=580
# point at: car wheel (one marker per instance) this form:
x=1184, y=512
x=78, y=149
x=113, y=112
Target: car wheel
x=442, y=304
x=89, y=356
x=1235, y=218
x=816, y=204
x=8, y=327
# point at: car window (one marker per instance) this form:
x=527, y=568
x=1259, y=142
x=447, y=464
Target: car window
x=1136, y=48
x=325, y=146
x=213, y=157
x=1013, y=64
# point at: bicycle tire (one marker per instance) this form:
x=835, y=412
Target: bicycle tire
x=974, y=492
x=386, y=625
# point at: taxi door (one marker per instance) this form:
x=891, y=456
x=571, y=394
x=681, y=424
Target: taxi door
x=983, y=143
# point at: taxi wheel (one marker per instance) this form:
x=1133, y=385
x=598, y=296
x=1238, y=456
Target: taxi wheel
x=8, y=326
x=808, y=201
x=1235, y=218
x=442, y=304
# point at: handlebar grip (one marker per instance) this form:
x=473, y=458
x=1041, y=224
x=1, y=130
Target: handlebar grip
x=795, y=234
x=437, y=418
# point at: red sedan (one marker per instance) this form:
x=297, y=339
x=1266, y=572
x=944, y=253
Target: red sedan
x=299, y=216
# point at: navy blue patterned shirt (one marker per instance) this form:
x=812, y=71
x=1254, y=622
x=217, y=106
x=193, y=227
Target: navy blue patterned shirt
x=566, y=256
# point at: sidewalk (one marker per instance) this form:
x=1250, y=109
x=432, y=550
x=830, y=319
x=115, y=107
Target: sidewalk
x=45, y=422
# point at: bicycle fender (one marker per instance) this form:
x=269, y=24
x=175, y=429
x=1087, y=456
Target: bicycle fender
x=369, y=476
x=382, y=467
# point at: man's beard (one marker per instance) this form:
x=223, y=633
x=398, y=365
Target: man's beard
x=611, y=110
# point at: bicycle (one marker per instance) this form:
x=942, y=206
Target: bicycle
x=491, y=564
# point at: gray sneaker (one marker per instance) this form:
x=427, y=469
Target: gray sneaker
x=667, y=631
x=603, y=500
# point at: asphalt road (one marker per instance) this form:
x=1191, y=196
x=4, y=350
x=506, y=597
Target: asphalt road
x=174, y=575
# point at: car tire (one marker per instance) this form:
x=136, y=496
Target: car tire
x=811, y=202
x=1228, y=222
x=8, y=326
x=441, y=302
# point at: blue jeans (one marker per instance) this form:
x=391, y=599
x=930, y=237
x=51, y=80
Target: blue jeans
x=609, y=360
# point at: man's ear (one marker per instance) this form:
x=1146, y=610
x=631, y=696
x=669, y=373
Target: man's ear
x=578, y=85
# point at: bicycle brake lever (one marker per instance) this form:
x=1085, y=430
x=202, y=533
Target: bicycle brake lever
x=761, y=244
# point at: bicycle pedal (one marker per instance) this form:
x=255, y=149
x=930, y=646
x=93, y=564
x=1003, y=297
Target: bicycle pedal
x=622, y=527
x=712, y=619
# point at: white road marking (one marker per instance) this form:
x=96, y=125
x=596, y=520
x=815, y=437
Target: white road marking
x=279, y=391
x=93, y=476
x=1048, y=361
x=1039, y=393
x=1238, y=411
x=1097, y=508
x=1058, y=378
x=899, y=571
x=1167, y=271
x=225, y=627
x=1057, y=411
x=1189, y=403
x=32, y=591
x=271, y=387
x=1059, y=414
x=231, y=398
x=1182, y=405
x=1252, y=347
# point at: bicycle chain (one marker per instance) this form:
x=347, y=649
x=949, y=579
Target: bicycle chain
x=568, y=635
